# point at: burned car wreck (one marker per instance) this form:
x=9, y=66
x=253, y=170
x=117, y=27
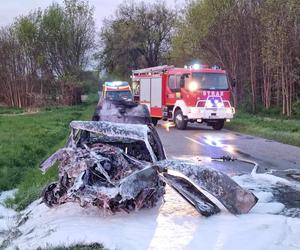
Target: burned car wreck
x=117, y=163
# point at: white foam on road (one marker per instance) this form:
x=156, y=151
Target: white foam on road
x=7, y=215
x=173, y=224
x=4, y=211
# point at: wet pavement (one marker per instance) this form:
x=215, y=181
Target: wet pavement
x=203, y=142
x=200, y=143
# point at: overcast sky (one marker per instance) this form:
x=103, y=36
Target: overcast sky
x=9, y=9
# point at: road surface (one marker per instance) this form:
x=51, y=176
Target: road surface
x=201, y=142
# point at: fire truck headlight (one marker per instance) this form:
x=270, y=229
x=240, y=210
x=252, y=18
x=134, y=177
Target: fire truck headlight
x=193, y=86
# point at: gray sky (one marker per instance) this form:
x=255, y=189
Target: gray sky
x=9, y=9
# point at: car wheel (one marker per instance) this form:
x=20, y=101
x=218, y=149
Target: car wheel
x=218, y=125
x=154, y=121
x=179, y=120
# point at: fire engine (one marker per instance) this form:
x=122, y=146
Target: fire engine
x=190, y=94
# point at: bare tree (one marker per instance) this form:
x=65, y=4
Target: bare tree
x=139, y=35
x=42, y=55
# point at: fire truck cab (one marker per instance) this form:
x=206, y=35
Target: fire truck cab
x=196, y=94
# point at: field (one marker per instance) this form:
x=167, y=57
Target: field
x=28, y=139
x=278, y=129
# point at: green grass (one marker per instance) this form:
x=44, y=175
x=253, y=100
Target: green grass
x=27, y=140
x=94, y=246
x=8, y=110
x=279, y=129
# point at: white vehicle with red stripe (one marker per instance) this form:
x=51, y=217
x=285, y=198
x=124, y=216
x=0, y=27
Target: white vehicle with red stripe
x=116, y=90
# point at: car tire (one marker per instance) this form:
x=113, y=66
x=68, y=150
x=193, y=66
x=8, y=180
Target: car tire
x=218, y=125
x=179, y=120
x=154, y=121
x=48, y=195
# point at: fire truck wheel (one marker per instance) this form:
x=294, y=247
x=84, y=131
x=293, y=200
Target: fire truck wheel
x=218, y=125
x=154, y=121
x=179, y=120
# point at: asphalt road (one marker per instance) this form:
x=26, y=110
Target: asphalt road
x=200, y=142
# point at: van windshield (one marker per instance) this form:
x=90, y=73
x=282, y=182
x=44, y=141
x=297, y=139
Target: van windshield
x=119, y=95
x=210, y=81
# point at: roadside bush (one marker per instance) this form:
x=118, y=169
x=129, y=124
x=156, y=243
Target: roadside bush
x=273, y=111
x=296, y=109
x=89, y=86
x=89, y=82
x=9, y=110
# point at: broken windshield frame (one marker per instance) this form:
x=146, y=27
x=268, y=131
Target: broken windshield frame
x=210, y=81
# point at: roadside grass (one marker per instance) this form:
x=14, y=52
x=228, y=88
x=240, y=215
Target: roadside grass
x=279, y=129
x=8, y=110
x=94, y=246
x=27, y=140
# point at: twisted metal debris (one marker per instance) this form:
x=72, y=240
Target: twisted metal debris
x=121, y=166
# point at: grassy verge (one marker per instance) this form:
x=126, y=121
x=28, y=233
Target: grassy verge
x=94, y=246
x=27, y=140
x=278, y=129
x=7, y=110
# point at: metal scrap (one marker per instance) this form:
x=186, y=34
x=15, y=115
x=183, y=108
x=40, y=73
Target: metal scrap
x=114, y=167
x=117, y=162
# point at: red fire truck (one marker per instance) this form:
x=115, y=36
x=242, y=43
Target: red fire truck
x=189, y=94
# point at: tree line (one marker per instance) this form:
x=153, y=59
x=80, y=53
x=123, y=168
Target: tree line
x=256, y=41
x=43, y=54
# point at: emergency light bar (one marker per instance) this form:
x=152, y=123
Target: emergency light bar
x=214, y=102
x=116, y=84
x=198, y=66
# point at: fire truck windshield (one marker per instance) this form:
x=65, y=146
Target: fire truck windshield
x=209, y=81
x=119, y=95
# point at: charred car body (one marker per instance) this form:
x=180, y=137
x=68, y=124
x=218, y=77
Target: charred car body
x=117, y=162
